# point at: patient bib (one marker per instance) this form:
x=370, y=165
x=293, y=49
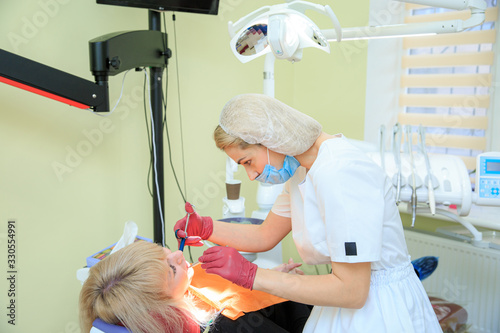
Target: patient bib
x=220, y=293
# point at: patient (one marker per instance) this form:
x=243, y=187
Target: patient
x=144, y=287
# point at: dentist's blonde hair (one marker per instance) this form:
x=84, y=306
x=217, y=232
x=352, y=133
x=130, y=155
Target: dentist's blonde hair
x=224, y=140
x=129, y=288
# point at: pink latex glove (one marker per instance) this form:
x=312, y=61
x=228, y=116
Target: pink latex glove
x=199, y=227
x=228, y=263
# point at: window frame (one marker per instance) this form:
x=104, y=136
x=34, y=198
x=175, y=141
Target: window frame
x=383, y=88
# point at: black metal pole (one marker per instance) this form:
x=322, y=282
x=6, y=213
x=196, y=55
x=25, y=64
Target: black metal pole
x=156, y=77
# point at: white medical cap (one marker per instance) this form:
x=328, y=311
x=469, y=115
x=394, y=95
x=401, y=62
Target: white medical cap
x=260, y=119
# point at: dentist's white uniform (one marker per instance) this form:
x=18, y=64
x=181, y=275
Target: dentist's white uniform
x=343, y=210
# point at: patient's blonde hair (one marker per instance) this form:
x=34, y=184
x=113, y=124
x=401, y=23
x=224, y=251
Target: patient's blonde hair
x=128, y=287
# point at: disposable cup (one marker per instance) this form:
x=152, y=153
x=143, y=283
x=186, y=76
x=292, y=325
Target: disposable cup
x=233, y=189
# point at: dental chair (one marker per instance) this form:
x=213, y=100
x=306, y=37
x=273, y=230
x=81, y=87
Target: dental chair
x=99, y=326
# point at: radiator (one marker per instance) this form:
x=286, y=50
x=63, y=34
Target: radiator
x=466, y=275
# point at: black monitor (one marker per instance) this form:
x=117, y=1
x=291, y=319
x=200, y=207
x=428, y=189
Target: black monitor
x=191, y=6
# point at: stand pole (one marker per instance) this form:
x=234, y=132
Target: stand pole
x=156, y=77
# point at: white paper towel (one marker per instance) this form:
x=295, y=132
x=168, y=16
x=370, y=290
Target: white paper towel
x=127, y=238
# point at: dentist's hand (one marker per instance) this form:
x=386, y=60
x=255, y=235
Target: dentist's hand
x=228, y=263
x=199, y=227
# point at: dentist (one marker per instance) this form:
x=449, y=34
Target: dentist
x=339, y=206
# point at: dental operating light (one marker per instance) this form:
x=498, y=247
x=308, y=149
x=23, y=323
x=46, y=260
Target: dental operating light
x=285, y=30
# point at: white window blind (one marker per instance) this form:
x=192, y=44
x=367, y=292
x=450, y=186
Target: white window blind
x=446, y=81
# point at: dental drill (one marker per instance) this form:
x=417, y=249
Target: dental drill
x=431, y=181
x=413, y=180
x=396, y=150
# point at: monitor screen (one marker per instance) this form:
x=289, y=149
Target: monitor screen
x=492, y=166
x=191, y=6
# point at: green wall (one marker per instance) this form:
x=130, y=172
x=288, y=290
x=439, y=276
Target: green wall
x=71, y=179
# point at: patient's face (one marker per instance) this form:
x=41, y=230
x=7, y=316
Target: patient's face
x=179, y=275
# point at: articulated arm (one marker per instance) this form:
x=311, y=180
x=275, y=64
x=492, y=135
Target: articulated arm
x=109, y=55
x=52, y=83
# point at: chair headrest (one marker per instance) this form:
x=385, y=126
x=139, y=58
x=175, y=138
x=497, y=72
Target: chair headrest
x=108, y=328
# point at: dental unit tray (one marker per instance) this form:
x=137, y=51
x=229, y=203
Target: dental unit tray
x=450, y=179
x=98, y=256
x=448, y=182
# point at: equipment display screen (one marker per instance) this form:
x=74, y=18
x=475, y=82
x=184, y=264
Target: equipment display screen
x=493, y=166
x=193, y=6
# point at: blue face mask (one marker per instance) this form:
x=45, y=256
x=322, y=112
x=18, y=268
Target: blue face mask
x=272, y=176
